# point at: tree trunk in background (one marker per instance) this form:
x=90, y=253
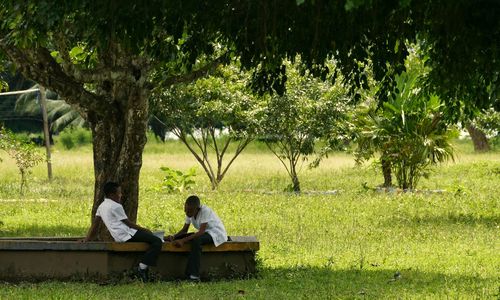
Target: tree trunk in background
x=119, y=137
x=386, y=171
x=479, y=138
x=295, y=180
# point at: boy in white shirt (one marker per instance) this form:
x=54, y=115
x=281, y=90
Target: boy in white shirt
x=111, y=212
x=210, y=230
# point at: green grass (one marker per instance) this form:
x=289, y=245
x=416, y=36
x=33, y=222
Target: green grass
x=344, y=245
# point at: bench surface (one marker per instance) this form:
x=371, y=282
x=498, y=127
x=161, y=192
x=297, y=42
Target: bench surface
x=237, y=243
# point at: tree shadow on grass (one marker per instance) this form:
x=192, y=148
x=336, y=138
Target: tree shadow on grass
x=35, y=230
x=327, y=283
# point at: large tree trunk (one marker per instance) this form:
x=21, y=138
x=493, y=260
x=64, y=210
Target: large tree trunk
x=119, y=137
x=478, y=137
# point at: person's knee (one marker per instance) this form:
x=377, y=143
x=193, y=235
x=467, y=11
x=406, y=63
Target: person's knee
x=196, y=243
x=157, y=243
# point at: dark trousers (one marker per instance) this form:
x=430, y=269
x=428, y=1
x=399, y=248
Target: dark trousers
x=149, y=258
x=194, y=258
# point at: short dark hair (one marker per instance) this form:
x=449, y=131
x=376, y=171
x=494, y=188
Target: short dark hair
x=193, y=201
x=110, y=188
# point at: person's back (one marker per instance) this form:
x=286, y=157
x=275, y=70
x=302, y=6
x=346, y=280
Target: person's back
x=112, y=214
x=214, y=228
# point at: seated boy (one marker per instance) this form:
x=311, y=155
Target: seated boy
x=111, y=212
x=210, y=230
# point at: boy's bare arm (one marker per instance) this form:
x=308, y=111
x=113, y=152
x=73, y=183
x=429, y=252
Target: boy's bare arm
x=93, y=229
x=200, y=232
x=184, y=230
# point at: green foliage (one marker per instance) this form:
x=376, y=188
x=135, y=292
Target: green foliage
x=175, y=181
x=377, y=30
x=75, y=137
x=464, y=57
x=292, y=124
x=3, y=85
x=24, y=153
x=408, y=131
x=211, y=115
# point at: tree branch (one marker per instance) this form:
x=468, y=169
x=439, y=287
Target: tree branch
x=241, y=146
x=278, y=156
x=182, y=136
x=194, y=75
x=38, y=65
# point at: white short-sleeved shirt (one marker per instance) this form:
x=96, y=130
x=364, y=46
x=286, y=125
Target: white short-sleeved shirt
x=214, y=225
x=112, y=214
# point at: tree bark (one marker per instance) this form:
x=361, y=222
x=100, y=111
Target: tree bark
x=295, y=180
x=119, y=137
x=386, y=171
x=479, y=138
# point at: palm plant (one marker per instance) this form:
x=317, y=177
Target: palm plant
x=59, y=113
x=408, y=131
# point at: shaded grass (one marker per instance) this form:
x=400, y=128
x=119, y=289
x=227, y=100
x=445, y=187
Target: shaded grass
x=282, y=283
x=345, y=245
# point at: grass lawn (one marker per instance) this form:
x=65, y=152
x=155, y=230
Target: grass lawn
x=315, y=245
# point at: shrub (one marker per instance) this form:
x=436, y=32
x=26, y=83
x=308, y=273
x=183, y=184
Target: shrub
x=176, y=180
x=24, y=153
x=75, y=137
x=67, y=141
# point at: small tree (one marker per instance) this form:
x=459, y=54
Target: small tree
x=292, y=124
x=211, y=117
x=24, y=153
x=408, y=131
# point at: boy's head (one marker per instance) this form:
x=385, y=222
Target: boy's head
x=192, y=205
x=112, y=190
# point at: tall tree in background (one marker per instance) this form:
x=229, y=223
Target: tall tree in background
x=485, y=125
x=478, y=137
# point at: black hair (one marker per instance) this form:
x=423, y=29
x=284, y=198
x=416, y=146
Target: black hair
x=110, y=188
x=193, y=201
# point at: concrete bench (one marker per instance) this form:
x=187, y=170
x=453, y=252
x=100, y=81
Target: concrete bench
x=34, y=259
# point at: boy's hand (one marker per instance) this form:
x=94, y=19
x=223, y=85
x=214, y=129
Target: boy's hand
x=169, y=238
x=179, y=243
